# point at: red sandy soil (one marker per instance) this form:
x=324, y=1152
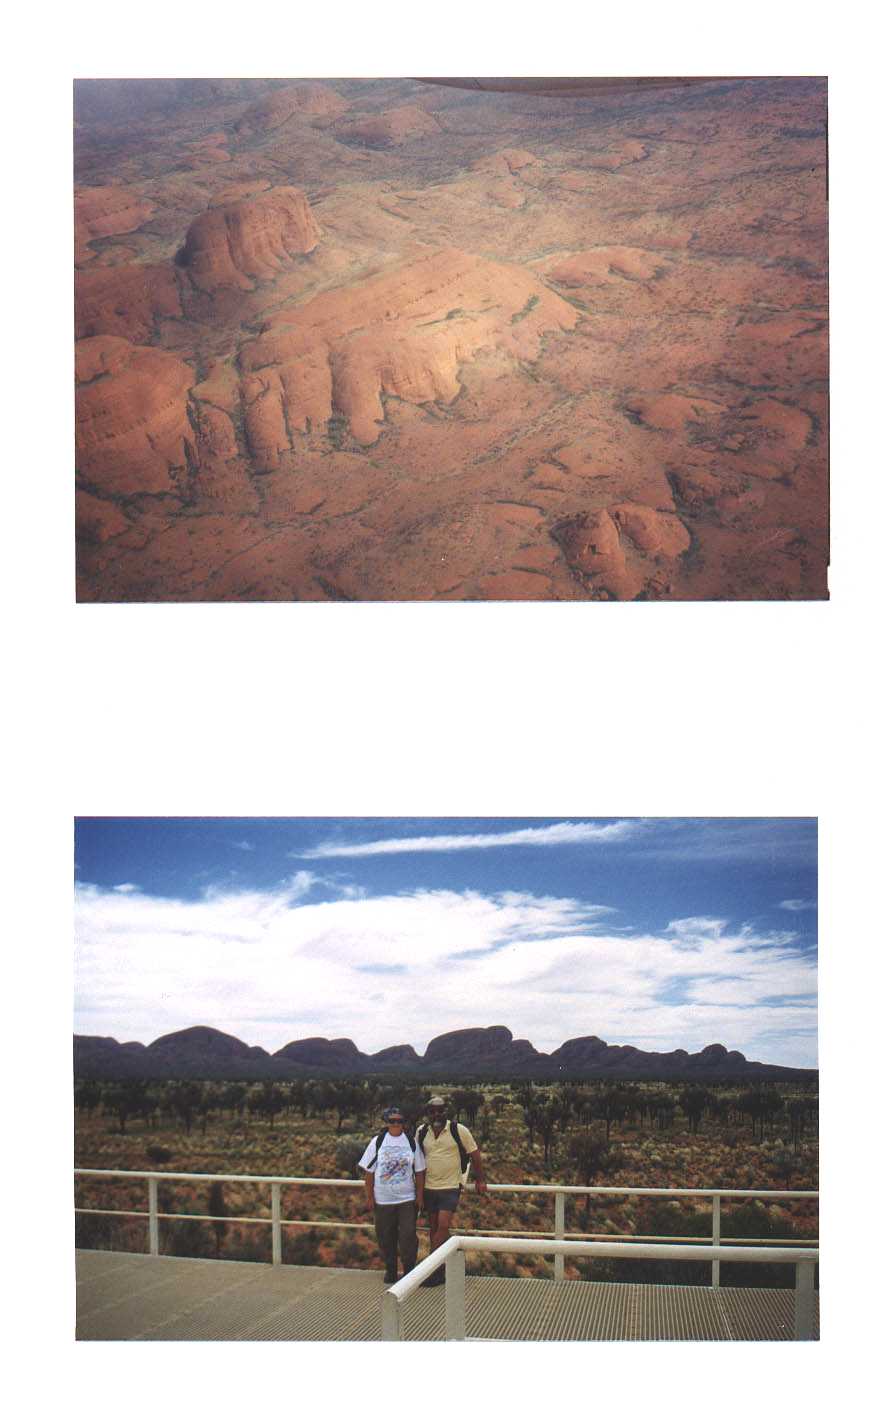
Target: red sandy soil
x=380, y=340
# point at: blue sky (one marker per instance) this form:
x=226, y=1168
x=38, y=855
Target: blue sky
x=663, y=933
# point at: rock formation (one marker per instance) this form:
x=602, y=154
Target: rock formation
x=235, y=244
x=303, y=100
x=132, y=427
x=486, y=1053
x=125, y=300
x=103, y=210
x=403, y=333
x=392, y=128
x=336, y=1055
x=550, y=347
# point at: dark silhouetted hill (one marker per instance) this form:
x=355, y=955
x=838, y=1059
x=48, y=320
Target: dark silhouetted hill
x=487, y=1053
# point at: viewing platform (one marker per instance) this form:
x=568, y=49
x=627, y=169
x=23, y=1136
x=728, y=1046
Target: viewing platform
x=137, y=1297
x=155, y=1297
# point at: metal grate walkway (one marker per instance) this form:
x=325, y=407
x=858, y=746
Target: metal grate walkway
x=138, y=1297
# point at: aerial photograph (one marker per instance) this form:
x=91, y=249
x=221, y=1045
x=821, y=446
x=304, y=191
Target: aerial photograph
x=436, y=339
x=527, y=1079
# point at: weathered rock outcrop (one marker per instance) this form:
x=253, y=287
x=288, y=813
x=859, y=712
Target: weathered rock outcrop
x=336, y=1054
x=404, y=332
x=391, y=128
x=598, y=266
x=100, y=210
x=203, y=1038
x=398, y=1056
x=467, y=1043
x=616, y=550
x=484, y=1052
x=303, y=100
x=234, y=245
x=132, y=431
x=125, y=300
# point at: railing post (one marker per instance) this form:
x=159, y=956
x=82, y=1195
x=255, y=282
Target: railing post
x=153, y=1215
x=277, y=1222
x=558, y=1233
x=716, y=1237
x=391, y=1327
x=455, y=1296
x=804, y=1324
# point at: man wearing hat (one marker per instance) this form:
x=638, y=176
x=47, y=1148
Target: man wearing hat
x=394, y=1167
x=447, y=1150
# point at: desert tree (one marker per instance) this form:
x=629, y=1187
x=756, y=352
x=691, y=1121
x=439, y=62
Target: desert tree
x=693, y=1103
x=546, y=1116
x=591, y=1160
x=233, y=1099
x=87, y=1096
x=609, y=1107
x=184, y=1100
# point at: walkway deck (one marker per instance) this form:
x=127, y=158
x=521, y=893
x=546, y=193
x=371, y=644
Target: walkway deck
x=138, y=1297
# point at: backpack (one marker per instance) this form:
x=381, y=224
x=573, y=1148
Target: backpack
x=379, y=1139
x=453, y=1127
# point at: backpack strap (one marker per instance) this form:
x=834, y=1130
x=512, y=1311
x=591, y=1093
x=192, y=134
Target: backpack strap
x=422, y=1133
x=462, y=1154
x=378, y=1140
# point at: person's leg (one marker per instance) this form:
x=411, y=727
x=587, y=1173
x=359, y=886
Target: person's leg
x=433, y=1219
x=441, y=1233
x=408, y=1238
x=438, y=1237
x=386, y=1230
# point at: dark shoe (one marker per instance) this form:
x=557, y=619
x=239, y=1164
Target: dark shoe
x=436, y=1278
x=390, y=1274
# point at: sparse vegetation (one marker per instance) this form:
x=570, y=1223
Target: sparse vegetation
x=526, y=309
x=595, y=1133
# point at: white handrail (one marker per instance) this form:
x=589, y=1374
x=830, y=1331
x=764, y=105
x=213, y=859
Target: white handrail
x=672, y=1192
x=560, y=1192
x=452, y=1254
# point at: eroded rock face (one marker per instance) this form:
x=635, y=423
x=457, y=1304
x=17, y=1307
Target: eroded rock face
x=233, y=245
x=599, y=266
x=618, y=552
x=461, y=1044
x=403, y=333
x=305, y=99
x=132, y=429
x=102, y=210
x=125, y=301
x=392, y=128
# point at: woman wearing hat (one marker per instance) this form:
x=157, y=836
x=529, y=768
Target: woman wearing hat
x=394, y=1187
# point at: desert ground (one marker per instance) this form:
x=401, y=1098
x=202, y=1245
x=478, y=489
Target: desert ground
x=389, y=340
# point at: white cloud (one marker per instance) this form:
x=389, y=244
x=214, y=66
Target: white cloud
x=273, y=966
x=567, y=832
x=797, y=905
x=126, y=888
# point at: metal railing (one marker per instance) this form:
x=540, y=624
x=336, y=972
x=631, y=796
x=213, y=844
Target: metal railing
x=452, y=1254
x=560, y=1192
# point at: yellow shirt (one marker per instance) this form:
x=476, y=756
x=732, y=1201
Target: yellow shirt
x=443, y=1160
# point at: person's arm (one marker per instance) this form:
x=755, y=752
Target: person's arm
x=366, y=1157
x=420, y=1175
x=479, y=1176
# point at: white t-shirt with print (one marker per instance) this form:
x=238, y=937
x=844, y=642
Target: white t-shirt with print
x=395, y=1168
